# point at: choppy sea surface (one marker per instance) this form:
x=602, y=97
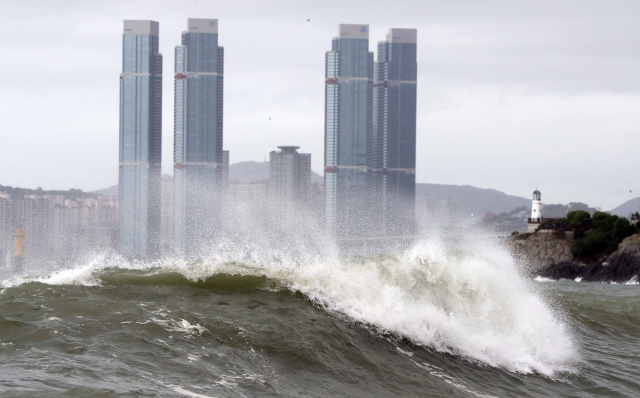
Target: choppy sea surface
x=430, y=321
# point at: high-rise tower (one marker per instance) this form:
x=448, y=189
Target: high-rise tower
x=348, y=131
x=140, y=139
x=290, y=174
x=394, y=121
x=198, y=155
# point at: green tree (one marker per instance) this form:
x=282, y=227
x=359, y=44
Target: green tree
x=578, y=217
x=604, y=237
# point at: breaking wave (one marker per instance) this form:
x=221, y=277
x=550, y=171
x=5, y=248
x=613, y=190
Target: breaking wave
x=471, y=303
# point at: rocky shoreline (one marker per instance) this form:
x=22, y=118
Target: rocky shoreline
x=547, y=255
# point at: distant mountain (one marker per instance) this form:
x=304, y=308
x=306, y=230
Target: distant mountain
x=249, y=171
x=558, y=210
x=628, y=207
x=69, y=194
x=472, y=200
x=111, y=191
x=241, y=171
x=256, y=171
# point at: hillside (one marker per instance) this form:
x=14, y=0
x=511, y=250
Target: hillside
x=70, y=194
x=628, y=207
x=111, y=191
x=472, y=200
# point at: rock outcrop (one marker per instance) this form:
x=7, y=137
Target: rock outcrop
x=542, y=250
x=621, y=267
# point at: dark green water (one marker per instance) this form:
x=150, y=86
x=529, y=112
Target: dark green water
x=424, y=324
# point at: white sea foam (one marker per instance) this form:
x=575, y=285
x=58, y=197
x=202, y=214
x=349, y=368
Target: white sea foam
x=543, y=279
x=438, y=372
x=407, y=353
x=79, y=276
x=182, y=326
x=86, y=274
x=188, y=393
x=632, y=281
x=473, y=303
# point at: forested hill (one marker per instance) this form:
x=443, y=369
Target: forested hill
x=69, y=194
x=472, y=200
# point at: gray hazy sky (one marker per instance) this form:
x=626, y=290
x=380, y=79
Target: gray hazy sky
x=511, y=94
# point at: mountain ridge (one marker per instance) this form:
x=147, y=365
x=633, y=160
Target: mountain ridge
x=627, y=208
x=470, y=200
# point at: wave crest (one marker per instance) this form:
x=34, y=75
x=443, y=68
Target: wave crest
x=472, y=303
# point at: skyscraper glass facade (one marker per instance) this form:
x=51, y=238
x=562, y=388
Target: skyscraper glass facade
x=348, y=131
x=140, y=139
x=198, y=135
x=394, y=150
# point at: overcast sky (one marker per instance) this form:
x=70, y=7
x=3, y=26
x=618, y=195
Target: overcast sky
x=511, y=94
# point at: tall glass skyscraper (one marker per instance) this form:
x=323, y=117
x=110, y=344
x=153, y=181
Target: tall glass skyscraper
x=348, y=131
x=198, y=155
x=394, y=152
x=140, y=139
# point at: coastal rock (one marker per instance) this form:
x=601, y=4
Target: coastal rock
x=542, y=250
x=629, y=246
x=622, y=266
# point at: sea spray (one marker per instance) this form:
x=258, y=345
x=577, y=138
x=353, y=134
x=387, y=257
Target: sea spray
x=469, y=302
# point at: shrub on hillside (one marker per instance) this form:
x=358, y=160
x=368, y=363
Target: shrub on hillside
x=578, y=217
x=575, y=221
x=605, y=235
x=560, y=234
x=593, y=243
x=635, y=217
x=524, y=236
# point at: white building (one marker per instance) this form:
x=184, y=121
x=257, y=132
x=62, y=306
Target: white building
x=536, y=212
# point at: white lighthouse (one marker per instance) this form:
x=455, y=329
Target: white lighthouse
x=536, y=211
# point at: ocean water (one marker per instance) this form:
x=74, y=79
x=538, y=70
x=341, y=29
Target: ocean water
x=434, y=320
